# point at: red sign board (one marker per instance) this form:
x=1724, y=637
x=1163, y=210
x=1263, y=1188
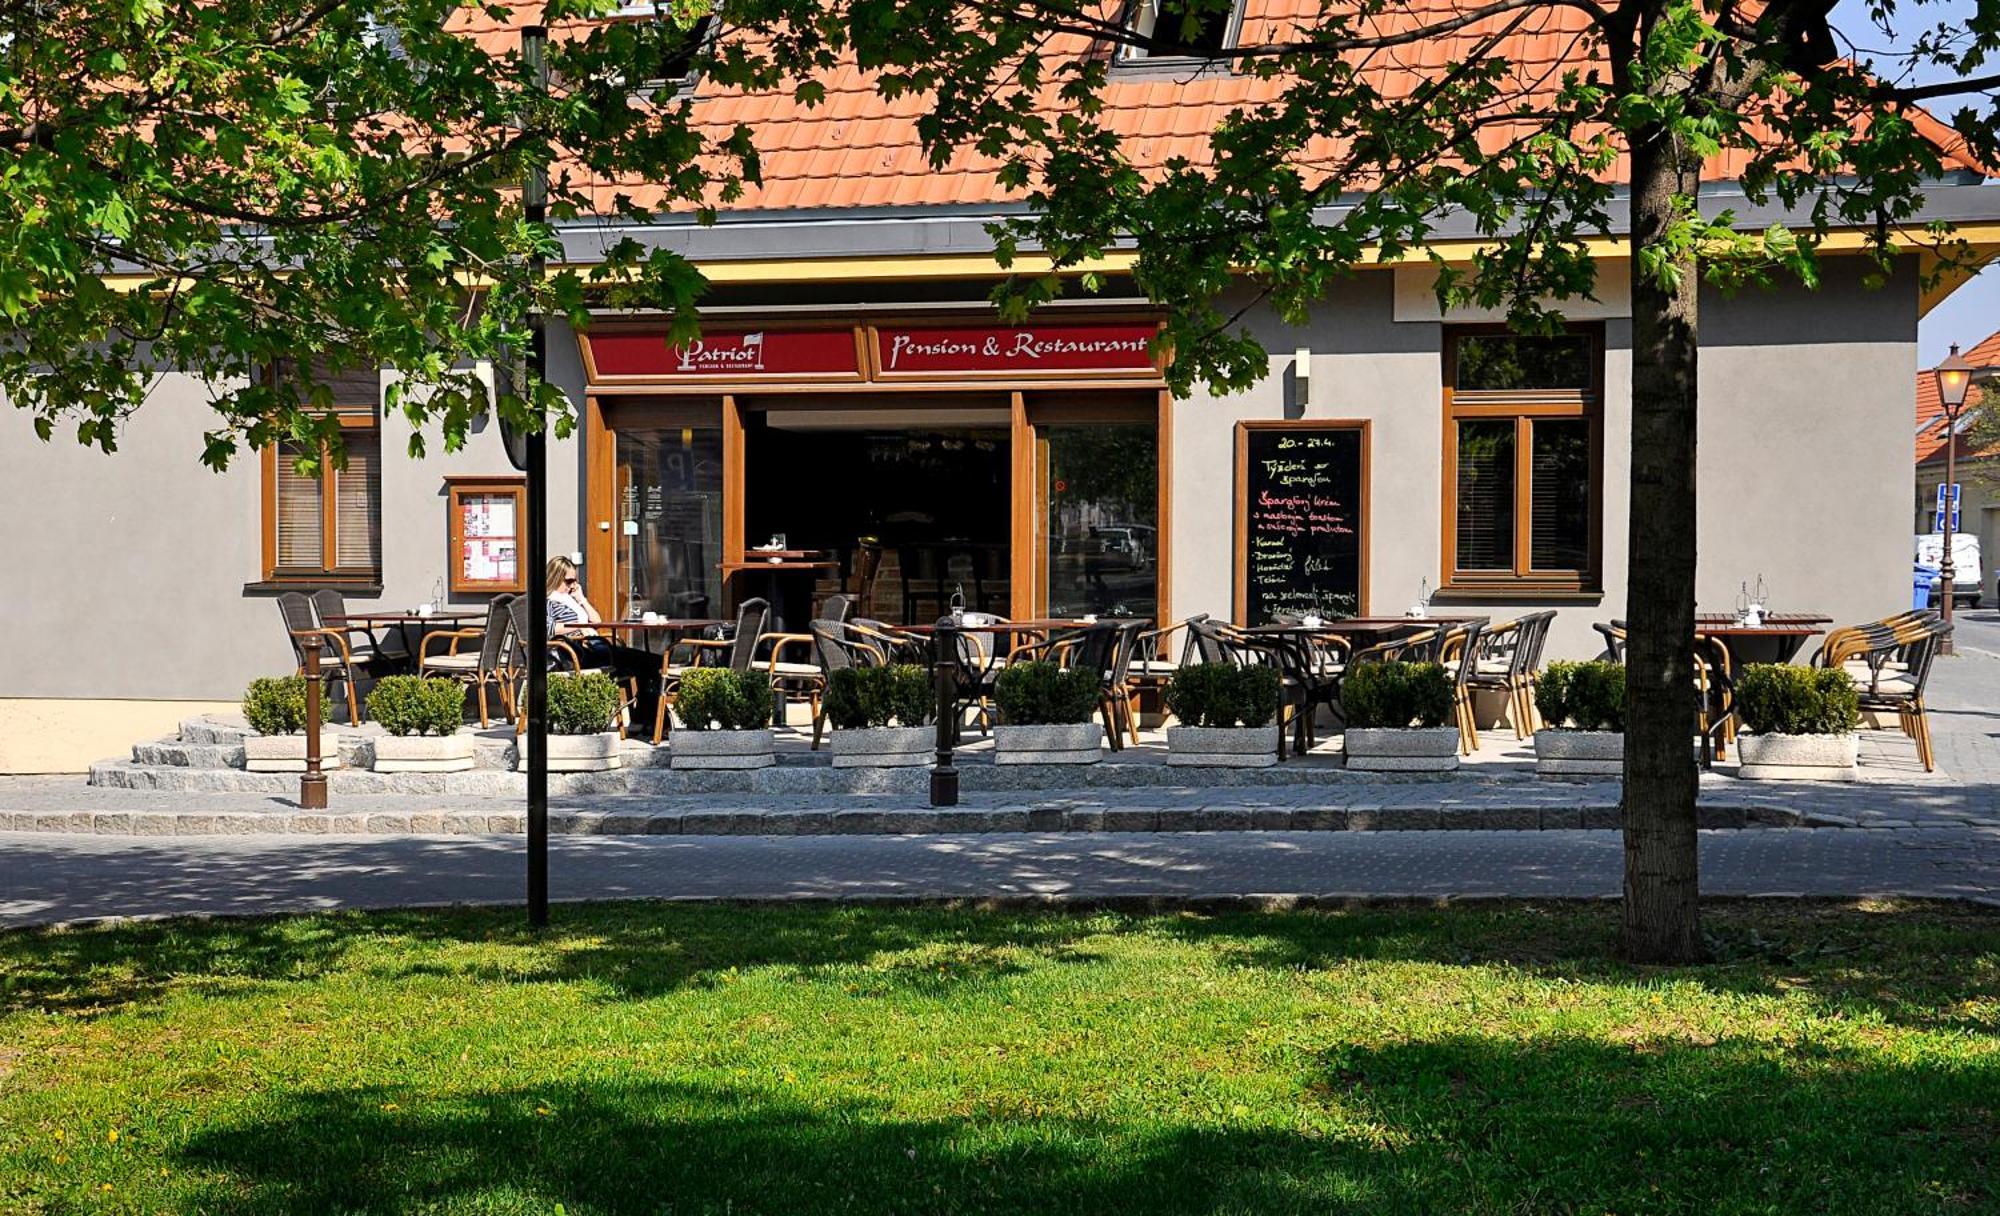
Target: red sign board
x=1019, y=350
x=727, y=354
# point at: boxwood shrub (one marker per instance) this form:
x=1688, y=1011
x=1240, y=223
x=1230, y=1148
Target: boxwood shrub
x=1223, y=694
x=721, y=698
x=276, y=705
x=859, y=697
x=1396, y=695
x=1780, y=699
x=582, y=704
x=414, y=705
x=1039, y=693
x=1588, y=696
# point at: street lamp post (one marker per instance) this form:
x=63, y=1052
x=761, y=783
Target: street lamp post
x=1954, y=377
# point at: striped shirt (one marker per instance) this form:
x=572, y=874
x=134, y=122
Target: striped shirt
x=564, y=610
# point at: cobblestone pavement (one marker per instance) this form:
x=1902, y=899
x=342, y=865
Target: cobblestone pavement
x=46, y=879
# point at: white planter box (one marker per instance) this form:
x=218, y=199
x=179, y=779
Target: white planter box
x=883, y=747
x=1376, y=749
x=1078, y=744
x=1223, y=746
x=287, y=753
x=1798, y=757
x=423, y=753
x=1579, y=753
x=576, y=753
x=722, y=749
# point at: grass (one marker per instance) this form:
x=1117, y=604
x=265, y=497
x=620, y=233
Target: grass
x=679, y=1059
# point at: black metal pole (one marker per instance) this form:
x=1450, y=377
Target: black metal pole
x=534, y=203
x=1947, y=572
x=944, y=777
x=312, y=782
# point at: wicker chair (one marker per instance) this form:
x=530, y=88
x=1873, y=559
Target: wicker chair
x=1510, y=657
x=336, y=659
x=1105, y=648
x=837, y=647
x=1890, y=663
x=1458, y=650
x=559, y=651
x=751, y=617
x=370, y=651
x=488, y=665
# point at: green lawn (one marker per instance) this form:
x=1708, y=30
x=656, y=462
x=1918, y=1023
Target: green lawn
x=665, y=1059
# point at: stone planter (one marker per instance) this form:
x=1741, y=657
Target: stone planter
x=1375, y=749
x=423, y=753
x=883, y=747
x=1077, y=744
x=1798, y=757
x=1223, y=746
x=722, y=749
x=576, y=753
x=287, y=753
x=1579, y=753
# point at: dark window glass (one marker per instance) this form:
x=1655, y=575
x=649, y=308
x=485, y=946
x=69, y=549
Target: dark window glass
x=1103, y=525
x=1511, y=362
x=670, y=484
x=1560, y=494
x=1486, y=494
x=1167, y=21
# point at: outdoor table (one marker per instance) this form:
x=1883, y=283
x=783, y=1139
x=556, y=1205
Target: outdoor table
x=774, y=563
x=368, y=622
x=675, y=628
x=1785, y=631
x=1292, y=643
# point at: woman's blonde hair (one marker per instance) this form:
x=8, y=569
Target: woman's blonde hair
x=560, y=568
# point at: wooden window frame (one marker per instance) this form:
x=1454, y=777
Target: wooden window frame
x=457, y=489
x=1525, y=407
x=329, y=572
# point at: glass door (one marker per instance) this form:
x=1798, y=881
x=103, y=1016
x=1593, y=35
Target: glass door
x=1099, y=516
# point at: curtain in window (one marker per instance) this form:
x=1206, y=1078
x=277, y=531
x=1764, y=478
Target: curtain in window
x=1486, y=494
x=300, y=540
x=357, y=517
x=1560, y=494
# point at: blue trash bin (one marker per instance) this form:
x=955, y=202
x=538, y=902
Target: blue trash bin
x=1922, y=583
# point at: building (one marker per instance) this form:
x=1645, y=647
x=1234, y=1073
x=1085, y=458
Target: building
x=855, y=394
x=1978, y=468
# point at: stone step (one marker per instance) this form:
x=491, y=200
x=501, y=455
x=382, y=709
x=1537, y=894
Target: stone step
x=478, y=783
x=174, y=754
x=212, y=732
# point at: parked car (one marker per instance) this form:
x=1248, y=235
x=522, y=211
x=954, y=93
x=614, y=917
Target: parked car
x=1968, y=573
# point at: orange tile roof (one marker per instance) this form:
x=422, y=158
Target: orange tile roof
x=1930, y=410
x=858, y=149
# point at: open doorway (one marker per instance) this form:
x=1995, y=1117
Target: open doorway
x=911, y=499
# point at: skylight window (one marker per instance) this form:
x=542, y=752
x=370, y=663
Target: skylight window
x=680, y=45
x=1167, y=24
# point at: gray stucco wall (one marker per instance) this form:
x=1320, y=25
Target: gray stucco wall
x=130, y=569
x=1804, y=452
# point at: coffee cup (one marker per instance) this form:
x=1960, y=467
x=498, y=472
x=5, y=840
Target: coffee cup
x=426, y=609
x=1090, y=618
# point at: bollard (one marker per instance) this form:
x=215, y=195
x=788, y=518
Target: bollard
x=312, y=782
x=944, y=777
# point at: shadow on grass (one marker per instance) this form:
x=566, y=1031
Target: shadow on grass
x=1458, y=1124
x=1917, y=964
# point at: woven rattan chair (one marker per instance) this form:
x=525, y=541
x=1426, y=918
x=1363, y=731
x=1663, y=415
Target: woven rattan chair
x=1890, y=663
x=477, y=669
x=1510, y=656
x=751, y=617
x=377, y=653
x=560, y=655
x=336, y=660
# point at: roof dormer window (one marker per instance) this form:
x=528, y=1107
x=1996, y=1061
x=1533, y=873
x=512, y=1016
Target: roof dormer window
x=1181, y=30
x=681, y=43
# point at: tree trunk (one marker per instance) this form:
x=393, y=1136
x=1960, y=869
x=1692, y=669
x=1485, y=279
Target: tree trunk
x=1661, y=887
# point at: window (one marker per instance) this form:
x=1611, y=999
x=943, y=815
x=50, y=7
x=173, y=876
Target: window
x=678, y=42
x=1182, y=29
x=1523, y=437
x=328, y=527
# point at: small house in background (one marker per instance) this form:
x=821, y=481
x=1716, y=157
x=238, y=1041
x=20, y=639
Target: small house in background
x=1978, y=476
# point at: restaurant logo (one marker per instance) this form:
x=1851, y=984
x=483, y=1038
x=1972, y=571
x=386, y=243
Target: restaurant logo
x=722, y=353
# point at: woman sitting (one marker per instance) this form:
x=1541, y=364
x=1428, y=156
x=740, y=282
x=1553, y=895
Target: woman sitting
x=572, y=618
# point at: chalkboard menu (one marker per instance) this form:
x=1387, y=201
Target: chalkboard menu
x=1301, y=489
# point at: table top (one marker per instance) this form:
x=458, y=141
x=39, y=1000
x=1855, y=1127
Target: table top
x=405, y=618
x=1356, y=624
x=778, y=562
x=1776, y=624
x=1040, y=625
x=679, y=623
